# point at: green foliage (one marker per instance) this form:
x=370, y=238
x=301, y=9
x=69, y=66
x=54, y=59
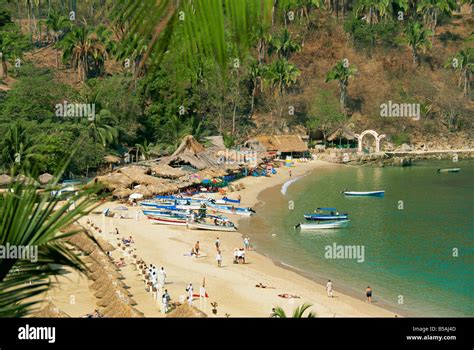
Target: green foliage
x=297, y=312
x=366, y=35
x=416, y=36
x=324, y=113
x=401, y=138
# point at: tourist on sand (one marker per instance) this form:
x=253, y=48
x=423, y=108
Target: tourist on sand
x=247, y=243
x=165, y=300
x=217, y=243
x=329, y=289
x=190, y=290
x=162, y=276
x=368, y=294
x=116, y=231
x=196, y=248
x=236, y=256
x=202, y=292
x=289, y=172
x=219, y=258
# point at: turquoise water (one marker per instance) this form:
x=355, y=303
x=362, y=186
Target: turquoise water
x=409, y=253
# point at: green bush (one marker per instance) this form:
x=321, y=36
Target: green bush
x=367, y=36
x=400, y=139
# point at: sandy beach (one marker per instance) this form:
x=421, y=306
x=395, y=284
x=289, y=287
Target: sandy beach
x=232, y=286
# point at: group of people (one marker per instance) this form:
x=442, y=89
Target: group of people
x=239, y=255
x=157, y=277
x=329, y=290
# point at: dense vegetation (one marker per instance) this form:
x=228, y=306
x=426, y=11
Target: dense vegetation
x=298, y=64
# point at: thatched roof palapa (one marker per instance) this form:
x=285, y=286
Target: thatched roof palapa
x=50, y=311
x=45, y=178
x=186, y=310
x=166, y=171
x=341, y=133
x=5, y=180
x=193, y=153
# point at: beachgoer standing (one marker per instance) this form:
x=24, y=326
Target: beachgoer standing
x=217, y=243
x=190, y=290
x=368, y=294
x=247, y=243
x=162, y=277
x=196, y=248
x=219, y=258
x=116, y=231
x=289, y=172
x=329, y=289
x=202, y=292
x=165, y=300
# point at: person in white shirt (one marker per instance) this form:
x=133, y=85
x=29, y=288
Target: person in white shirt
x=329, y=289
x=162, y=276
x=219, y=258
x=190, y=290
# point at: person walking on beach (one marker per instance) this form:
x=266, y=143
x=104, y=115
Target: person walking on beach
x=165, y=298
x=217, y=243
x=329, y=289
x=368, y=294
x=162, y=277
x=247, y=243
x=219, y=258
x=289, y=172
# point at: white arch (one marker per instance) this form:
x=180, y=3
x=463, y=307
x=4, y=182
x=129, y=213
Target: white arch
x=374, y=134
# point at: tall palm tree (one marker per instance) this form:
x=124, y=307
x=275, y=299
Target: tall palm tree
x=33, y=219
x=431, y=9
x=284, y=45
x=372, y=9
x=281, y=76
x=463, y=64
x=145, y=149
x=297, y=313
x=56, y=25
x=342, y=72
x=255, y=77
x=417, y=37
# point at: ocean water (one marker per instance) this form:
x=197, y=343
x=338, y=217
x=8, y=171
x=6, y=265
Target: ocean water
x=418, y=240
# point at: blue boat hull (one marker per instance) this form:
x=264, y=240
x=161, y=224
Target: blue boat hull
x=365, y=194
x=320, y=217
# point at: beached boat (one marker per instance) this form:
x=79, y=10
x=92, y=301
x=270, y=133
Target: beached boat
x=227, y=209
x=364, y=193
x=189, y=200
x=448, y=170
x=318, y=225
x=167, y=220
x=169, y=213
x=332, y=214
x=210, y=227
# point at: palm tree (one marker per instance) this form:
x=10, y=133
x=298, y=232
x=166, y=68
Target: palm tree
x=86, y=48
x=431, y=9
x=278, y=312
x=56, y=24
x=102, y=128
x=281, y=76
x=373, y=9
x=145, y=149
x=283, y=45
x=255, y=76
x=32, y=218
x=463, y=64
x=342, y=72
x=416, y=36
x=18, y=148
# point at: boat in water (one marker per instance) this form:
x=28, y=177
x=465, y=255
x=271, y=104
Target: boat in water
x=449, y=170
x=320, y=225
x=331, y=214
x=364, y=193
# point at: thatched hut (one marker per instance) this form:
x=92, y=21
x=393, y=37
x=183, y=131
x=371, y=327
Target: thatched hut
x=167, y=172
x=186, y=310
x=45, y=178
x=50, y=311
x=191, y=153
x=5, y=180
x=281, y=145
x=343, y=137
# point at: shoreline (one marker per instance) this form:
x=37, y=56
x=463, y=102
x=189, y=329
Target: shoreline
x=233, y=286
